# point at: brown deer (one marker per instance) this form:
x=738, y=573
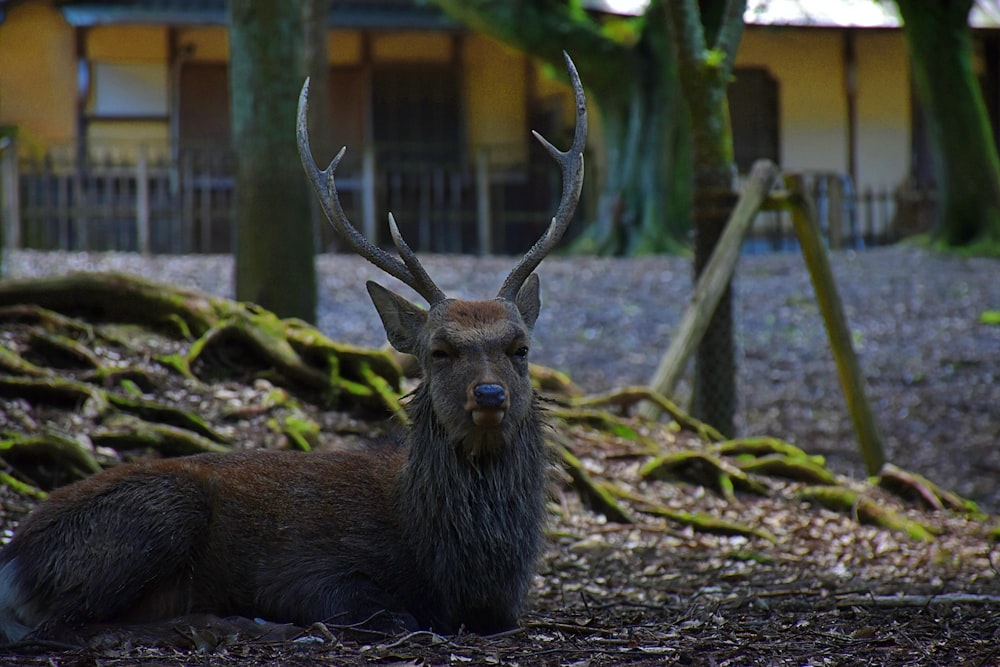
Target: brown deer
x=438, y=531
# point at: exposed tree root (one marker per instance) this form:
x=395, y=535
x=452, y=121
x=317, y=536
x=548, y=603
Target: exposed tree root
x=705, y=523
x=627, y=398
x=911, y=486
x=125, y=433
x=595, y=497
x=47, y=459
x=704, y=469
x=865, y=509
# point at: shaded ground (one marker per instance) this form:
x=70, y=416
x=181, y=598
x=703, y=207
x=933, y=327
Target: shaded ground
x=806, y=586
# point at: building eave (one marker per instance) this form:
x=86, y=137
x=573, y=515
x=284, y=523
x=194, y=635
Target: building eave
x=357, y=15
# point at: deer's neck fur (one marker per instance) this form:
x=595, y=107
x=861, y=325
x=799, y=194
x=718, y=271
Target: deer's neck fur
x=474, y=520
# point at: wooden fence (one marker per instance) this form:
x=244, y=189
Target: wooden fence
x=186, y=205
x=848, y=219
x=145, y=205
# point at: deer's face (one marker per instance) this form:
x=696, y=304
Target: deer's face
x=474, y=355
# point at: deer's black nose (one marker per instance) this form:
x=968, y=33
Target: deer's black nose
x=489, y=395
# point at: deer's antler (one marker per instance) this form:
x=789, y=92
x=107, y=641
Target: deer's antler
x=571, y=163
x=409, y=269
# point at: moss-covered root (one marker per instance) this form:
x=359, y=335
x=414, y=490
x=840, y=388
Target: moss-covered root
x=704, y=469
x=124, y=433
x=550, y=381
x=626, y=398
x=699, y=522
x=775, y=458
x=865, y=509
x=115, y=297
x=56, y=458
x=20, y=487
x=594, y=496
x=913, y=487
x=53, y=390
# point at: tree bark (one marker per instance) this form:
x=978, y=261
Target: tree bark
x=275, y=246
x=964, y=155
x=707, y=46
x=645, y=195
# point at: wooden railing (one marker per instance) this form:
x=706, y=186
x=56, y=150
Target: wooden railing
x=848, y=218
x=145, y=205
x=186, y=205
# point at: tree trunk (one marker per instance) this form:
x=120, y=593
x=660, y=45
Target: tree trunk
x=275, y=246
x=645, y=198
x=964, y=155
x=704, y=73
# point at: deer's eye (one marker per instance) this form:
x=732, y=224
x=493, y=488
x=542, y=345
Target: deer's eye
x=440, y=354
x=521, y=353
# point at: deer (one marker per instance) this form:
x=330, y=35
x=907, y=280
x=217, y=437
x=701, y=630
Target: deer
x=438, y=529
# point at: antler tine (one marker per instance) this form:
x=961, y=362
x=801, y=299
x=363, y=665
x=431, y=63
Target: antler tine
x=571, y=163
x=428, y=289
x=409, y=269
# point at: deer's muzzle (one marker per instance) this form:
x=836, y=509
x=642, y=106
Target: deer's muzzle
x=489, y=403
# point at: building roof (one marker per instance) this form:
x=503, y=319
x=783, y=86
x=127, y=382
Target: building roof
x=816, y=13
x=423, y=15
x=391, y=14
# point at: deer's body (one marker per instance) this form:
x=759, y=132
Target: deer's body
x=438, y=531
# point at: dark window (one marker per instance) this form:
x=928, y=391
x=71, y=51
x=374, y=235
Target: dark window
x=754, y=112
x=204, y=107
x=416, y=114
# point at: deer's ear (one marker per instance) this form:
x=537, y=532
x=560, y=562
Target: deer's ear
x=528, y=301
x=402, y=320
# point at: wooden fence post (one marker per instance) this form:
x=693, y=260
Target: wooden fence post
x=368, y=193
x=484, y=225
x=11, y=193
x=142, y=201
x=835, y=215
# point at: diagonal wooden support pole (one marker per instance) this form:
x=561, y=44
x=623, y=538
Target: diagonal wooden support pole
x=711, y=285
x=851, y=380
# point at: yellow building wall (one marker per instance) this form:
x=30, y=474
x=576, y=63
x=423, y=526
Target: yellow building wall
x=412, y=47
x=208, y=44
x=345, y=47
x=496, y=100
x=884, y=122
x=211, y=44
x=38, y=87
x=127, y=43
x=809, y=66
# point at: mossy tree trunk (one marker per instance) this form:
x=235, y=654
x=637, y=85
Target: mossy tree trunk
x=275, y=246
x=707, y=36
x=964, y=155
x=628, y=67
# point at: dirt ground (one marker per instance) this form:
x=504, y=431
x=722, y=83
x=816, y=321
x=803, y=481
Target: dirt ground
x=783, y=581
